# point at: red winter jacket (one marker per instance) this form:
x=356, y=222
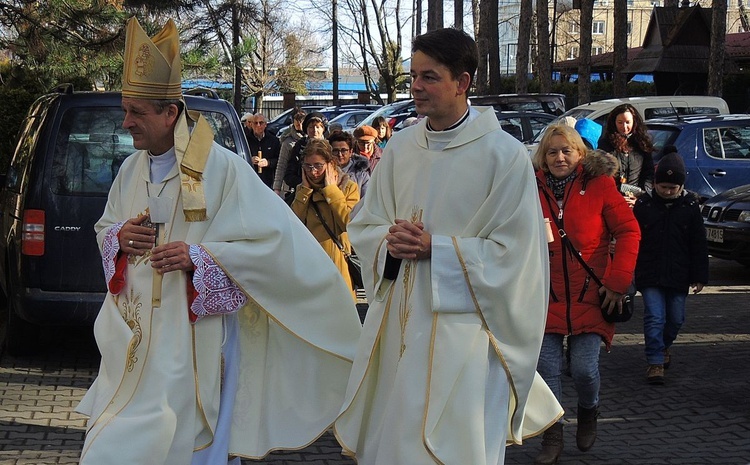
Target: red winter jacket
x=593, y=212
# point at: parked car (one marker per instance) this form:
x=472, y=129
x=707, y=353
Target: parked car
x=716, y=149
x=727, y=221
x=284, y=119
x=523, y=125
x=654, y=106
x=70, y=148
x=553, y=104
x=350, y=119
x=394, y=113
x=334, y=111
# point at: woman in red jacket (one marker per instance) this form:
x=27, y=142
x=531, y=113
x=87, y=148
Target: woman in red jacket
x=578, y=195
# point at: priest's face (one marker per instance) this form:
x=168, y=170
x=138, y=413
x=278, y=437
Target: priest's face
x=561, y=157
x=152, y=129
x=437, y=94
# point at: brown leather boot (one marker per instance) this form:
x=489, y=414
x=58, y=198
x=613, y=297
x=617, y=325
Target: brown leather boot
x=586, y=432
x=552, y=446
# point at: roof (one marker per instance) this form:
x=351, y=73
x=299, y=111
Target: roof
x=677, y=39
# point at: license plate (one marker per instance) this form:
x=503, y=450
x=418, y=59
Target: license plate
x=715, y=235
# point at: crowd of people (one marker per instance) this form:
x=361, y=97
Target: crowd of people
x=229, y=328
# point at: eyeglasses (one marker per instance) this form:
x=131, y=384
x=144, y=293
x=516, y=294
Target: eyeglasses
x=315, y=166
x=259, y=123
x=340, y=151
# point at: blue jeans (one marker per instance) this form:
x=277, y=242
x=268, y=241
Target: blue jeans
x=584, y=365
x=663, y=316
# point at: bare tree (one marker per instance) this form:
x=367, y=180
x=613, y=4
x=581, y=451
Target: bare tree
x=620, y=45
x=718, y=40
x=522, y=50
x=372, y=30
x=543, y=63
x=584, y=52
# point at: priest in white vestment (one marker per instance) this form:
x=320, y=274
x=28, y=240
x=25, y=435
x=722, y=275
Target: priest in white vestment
x=226, y=332
x=455, y=265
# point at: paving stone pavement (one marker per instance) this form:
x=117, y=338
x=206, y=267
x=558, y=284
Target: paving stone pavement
x=700, y=416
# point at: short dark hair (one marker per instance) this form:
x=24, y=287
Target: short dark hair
x=341, y=136
x=452, y=48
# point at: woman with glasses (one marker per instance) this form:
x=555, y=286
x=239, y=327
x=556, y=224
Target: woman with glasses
x=366, y=146
x=324, y=201
x=356, y=166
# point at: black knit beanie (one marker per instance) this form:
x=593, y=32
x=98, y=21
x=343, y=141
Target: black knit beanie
x=671, y=168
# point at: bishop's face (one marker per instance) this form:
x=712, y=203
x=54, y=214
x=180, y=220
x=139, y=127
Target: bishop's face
x=151, y=130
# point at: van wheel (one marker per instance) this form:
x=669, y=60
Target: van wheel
x=21, y=337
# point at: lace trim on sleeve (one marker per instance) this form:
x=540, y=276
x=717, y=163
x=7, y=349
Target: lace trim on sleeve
x=217, y=294
x=110, y=249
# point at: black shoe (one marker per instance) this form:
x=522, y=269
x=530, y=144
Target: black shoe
x=552, y=446
x=586, y=432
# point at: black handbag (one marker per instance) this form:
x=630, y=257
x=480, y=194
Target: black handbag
x=352, y=261
x=628, y=299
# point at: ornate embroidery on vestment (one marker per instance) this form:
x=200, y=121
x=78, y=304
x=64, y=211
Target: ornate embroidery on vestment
x=131, y=313
x=217, y=293
x=404, y=310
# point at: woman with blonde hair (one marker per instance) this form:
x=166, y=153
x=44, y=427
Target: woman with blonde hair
x=580, y=200
x=324, y=201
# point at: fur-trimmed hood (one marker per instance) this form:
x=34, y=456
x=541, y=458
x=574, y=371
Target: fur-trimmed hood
x=359, y=163
x=599, y=162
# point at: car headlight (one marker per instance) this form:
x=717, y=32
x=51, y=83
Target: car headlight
x=744, y=216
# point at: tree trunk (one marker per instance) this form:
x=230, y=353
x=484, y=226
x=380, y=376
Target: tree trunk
x=620, y=59
x=237, y=101
x=417, y=22
x=434, y=14
x=544, y=63
x=522, y=50
x=458, y=14
x=493, y=36
x=584, y=52
x=718, y=39
x=483, y=44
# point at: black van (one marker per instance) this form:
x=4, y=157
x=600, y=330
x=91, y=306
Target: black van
x=70, y=148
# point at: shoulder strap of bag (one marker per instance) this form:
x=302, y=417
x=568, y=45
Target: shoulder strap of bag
x=566, y=241
x=325, y=225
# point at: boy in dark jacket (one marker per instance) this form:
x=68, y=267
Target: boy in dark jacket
x=672, y=258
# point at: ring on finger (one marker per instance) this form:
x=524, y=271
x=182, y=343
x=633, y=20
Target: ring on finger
x=130, y=242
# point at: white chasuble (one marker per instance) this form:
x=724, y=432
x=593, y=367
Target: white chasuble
x=446, y=367
x=157, y=396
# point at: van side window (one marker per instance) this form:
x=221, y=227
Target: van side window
x=667, y=111
x=89, y=149
x=222, y=129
